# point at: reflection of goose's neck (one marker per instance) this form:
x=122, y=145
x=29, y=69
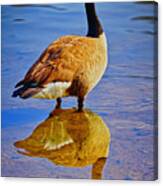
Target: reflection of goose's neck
x=94, y=26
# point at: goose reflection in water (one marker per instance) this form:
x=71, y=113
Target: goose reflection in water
x=71, y=139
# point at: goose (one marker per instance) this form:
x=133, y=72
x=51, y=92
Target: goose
x=70, y=66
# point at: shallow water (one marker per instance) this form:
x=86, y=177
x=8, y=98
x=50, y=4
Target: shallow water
x=124, y=98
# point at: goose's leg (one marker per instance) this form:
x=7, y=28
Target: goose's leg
x=80, y=104
x=58, y=104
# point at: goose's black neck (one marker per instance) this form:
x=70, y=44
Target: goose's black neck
x=94, y=26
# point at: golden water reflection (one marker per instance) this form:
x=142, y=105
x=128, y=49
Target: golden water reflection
x=71, y=139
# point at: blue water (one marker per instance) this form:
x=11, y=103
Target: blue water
x=124, y=98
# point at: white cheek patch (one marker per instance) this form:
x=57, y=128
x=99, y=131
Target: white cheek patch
x=53, y=90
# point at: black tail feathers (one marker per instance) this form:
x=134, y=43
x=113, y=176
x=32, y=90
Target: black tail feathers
x=26, y=92
x=18, y=92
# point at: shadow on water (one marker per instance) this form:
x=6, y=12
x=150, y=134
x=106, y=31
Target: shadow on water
x=19, y=20
x=146, y=2
x=41, y=6
x=70, y=139
x=151, y=19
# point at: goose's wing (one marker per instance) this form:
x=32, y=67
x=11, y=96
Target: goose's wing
x=48, y=67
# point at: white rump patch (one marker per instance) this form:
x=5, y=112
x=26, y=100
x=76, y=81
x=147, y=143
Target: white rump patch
x=51, y=145
x=53, y=90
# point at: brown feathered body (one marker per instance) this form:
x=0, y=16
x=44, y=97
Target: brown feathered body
x=70, y=66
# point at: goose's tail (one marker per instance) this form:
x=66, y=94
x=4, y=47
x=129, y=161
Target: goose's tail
x=26, y=91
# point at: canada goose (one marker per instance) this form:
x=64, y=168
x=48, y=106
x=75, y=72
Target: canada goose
x=70, y=66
